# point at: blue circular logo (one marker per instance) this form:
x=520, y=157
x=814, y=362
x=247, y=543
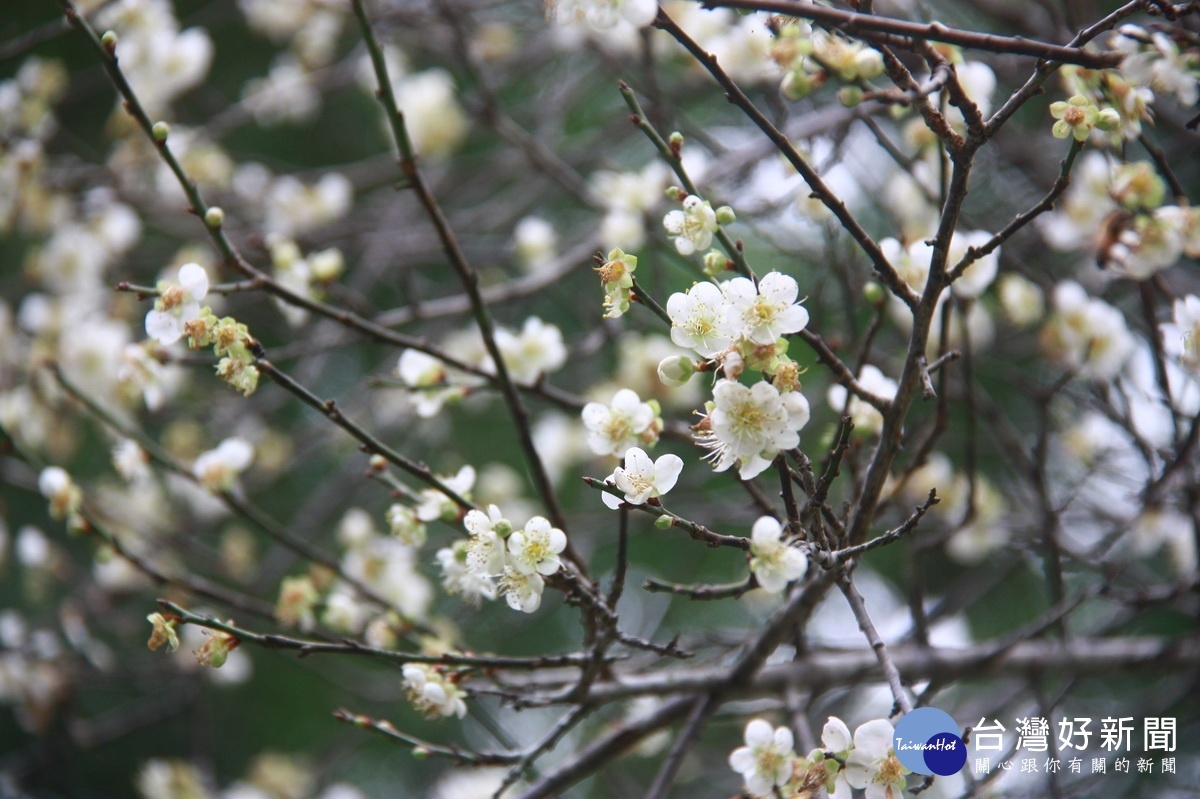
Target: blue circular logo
x=927, y=742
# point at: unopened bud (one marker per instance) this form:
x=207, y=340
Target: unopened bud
x=733, y=364
x=109, y=40
x=850, y=96
x=378, y=462
x=1108, y=119
x=677, y=194
x=873, y=292
x=664, y=522
x=725, y=215
x=675, y=370
x=160, y=131
x=214, y=217
x=420, y=752
x=796, y=85
x=715, y=263
x=675, y=141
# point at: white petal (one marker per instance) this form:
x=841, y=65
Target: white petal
x=874, y=738
x=779, y=288
x=767, y=530
x=836, y=735
x=759, y=733
x=741, y=760
x=784, y=739
x=638, y=462
x=163, y=327
x=640, y=12
x=666, y=472
x=194, y=280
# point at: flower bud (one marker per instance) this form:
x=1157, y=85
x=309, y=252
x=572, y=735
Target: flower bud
x=715, y=263
x=1108, y=119
x=873, y=292
x=796, y=85
x=214, y=217
x=849, y=96
x=378, y=462
x=675, y=370
x=733, y=364
x=160, y=131
x=664, y=522
x=677, y=194
x=725, y=215
x=109, y=40
x=676, y=142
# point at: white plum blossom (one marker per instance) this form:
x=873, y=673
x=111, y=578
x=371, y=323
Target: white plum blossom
x=534, y=242
x=435, y=120
x=1151, y=243
x=217, y=469
x=426, y=376
x=1022, y=300
x=642, y=477
x=699, y=320
x=751, y=425
x=432, y=693
x=459, y=578
x=773, y=561
x=1181, y=336
x=604, y=14
x=486, y=549
x=57, y=486
x=538, y=349
x=535, y=549
x=436, y=505
x=1158, y=63
x=1086, y=334
x=865, y=416
x=613, y=429
x=872, y=765
x=693, y=227
x=765, y=762
x=405, y=525
x=522, y=591
x=130, y=461
x=767, y=313
x=177, y=304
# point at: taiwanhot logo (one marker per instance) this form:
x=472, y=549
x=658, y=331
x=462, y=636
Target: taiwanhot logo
x=927, y=742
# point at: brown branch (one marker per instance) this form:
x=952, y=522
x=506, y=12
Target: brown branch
x=910, y=33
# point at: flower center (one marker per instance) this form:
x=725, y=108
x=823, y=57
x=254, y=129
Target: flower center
x=171, y=298
x=889, y=770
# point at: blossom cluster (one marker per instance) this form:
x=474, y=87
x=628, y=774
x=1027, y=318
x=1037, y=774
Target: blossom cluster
x=769, y=764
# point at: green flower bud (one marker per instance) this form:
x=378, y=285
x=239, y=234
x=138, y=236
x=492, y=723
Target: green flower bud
x=109, y=40
x=796, y=85
x=664, y=522
x=675, y=370
x=214, y=217
x=725, y=215
x=1108, y=119
x=873, y=292
x=160, y=131
x=850, y=96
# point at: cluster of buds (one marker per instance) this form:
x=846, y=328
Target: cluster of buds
x=808, y=59
x=616, y=274
x=232, y=343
